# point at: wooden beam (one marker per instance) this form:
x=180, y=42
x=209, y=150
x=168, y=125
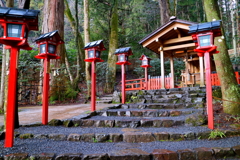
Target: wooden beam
x=177, y=40
x=178, y=32
x=179, y=46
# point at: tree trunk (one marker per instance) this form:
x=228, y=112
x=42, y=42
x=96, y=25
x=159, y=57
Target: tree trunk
x=53, y=12
x=113, y=44
x=87, y=40
x=79, y=44
x=25, y=4
x=164, y=11
x=229, y=86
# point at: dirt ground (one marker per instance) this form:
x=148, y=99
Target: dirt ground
x=33, y=114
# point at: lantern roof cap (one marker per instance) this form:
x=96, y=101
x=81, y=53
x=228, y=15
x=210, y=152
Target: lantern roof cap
x=94, y=44
x=124, y=50
x=142, y=57
x=208, y=26
x=49, y=35
x=18, y=13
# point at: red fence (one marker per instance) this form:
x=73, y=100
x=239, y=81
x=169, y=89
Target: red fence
x=216, y=81
x=155, y=82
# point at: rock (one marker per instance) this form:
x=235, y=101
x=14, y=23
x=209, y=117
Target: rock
x=101, y=137
x=41, y=136
x=88, y=137
x=167, y=123
x=175, y=136
x=203, y=135
x=236, y=149
x=138, y=137
x=127, y=123
x=55, y=122
x=109, y=123
x=58, y=137
x=116, y=97
x=99, y=123
x=223, y=152
x=116, y=137
x=125, y=106
x=189, y=135
x=196, y=120
x=186, y=154
x=42, y=156
x=87, y=123
x=68, y=123
x=162, y=136
x=67, y=156
x=164, y=154
x=99, y=156
x=129, y=154
x=74, y=137
x=146, y=123
x=26, y=136
x=203, y=153
x=16, y=156
x=137, y=113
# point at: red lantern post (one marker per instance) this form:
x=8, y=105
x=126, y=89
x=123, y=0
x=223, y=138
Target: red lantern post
x=94, y=55
x=14, y=27
x=203, y=35
x=123, y=54
x=47, y=44
x=146, y=64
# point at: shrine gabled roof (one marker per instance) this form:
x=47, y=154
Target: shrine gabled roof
x=18, y=13
x=172, y=36
x=124, y=50
x=164, y=26
x=49, y=35
x=93, y=44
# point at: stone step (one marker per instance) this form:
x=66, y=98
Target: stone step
x=146, y=112
x=130, y=135
x=51, y=148
x=104, y=101
x=162, y=105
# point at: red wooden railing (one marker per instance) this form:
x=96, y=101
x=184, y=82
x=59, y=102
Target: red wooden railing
x=155, y=82
x=216, y=81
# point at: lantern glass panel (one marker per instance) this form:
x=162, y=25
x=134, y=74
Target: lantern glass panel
x=51, y=48
x=14, y=30
x=43, y=48
x=121, y=58
x=91, y=54
x=145, y=62
x=98, y=53
x=205, y=40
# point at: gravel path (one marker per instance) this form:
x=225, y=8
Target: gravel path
x=33, y=146
x=80, y=130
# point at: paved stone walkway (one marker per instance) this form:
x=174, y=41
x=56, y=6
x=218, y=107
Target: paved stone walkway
x=33, y=114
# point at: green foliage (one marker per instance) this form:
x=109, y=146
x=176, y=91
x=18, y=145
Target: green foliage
x=216, y=134
x=217, y=93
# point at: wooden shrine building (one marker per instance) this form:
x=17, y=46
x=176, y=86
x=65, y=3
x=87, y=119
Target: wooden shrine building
x=172, y=40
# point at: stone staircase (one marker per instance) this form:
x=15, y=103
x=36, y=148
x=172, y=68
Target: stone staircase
x=104, y=99
x=157, y=124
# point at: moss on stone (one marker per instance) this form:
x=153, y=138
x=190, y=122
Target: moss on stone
x=26, y=136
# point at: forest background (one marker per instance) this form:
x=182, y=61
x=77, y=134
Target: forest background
x=119, y=23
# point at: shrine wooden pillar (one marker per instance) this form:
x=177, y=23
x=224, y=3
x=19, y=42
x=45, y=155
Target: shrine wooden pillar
x=162, y=68
x=202, y=82
x=172, y=72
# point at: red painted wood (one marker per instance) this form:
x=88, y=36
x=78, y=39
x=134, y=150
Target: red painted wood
x=45, y=91
x=93, y=89
x=123, y=82
x=12, y=89
x=209, y=90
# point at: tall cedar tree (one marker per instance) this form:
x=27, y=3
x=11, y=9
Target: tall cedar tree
x=113, y=44
x=229, y=86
